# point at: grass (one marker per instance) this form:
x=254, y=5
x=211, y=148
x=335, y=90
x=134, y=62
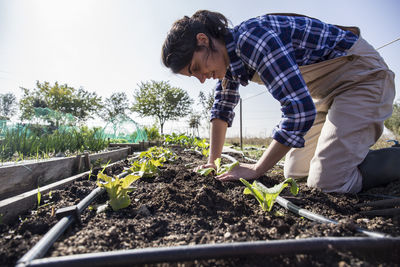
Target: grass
x=383, y=141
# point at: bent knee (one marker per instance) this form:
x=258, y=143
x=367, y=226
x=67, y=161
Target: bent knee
x=338, y=183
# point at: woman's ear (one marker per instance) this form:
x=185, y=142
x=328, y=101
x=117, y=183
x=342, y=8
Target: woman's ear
x=202, y=39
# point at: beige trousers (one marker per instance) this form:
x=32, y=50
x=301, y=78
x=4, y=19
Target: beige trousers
x=353, y=95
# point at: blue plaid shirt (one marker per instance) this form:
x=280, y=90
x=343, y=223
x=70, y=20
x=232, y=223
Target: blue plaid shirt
x=275, y=46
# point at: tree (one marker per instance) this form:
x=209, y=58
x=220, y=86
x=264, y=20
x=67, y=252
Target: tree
x=162, y=101
x=393, y=123
x=115, y=109
x=194, y=122
x=62, y=99
x=8, y=104
x=206, y=102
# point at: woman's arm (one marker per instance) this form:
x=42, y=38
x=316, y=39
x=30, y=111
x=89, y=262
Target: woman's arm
x=271, y=156
x=274, y=153
x=217, y=139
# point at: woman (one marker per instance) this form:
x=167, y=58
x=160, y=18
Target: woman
x=334, y=89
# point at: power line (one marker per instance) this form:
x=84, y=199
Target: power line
x=253, y=96
x=395, y=40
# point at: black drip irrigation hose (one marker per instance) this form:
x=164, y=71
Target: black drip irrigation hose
x=314, y=216
x=319, y=218
x=221, y=250
x=57, y=230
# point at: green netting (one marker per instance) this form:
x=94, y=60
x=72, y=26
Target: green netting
x=54, y=117
x=125, y=129
x=51, y=132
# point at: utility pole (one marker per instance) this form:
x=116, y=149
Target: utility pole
x=241, y=137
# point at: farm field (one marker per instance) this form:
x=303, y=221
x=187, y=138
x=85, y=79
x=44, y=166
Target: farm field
x=179, y=207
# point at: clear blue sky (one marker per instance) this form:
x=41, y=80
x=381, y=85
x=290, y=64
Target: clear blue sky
x=109, y=46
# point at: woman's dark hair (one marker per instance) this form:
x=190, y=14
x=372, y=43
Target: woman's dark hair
x=181, y=43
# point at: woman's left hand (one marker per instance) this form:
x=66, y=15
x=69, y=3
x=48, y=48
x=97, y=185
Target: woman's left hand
x=243, y=170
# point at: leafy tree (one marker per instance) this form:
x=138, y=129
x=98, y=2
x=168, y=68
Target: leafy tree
x=162, y=101
x=8, y=103
x=393, y=123
x=115, y=108
x=194, y=122
x=206, y=102
x=152, y=132
x=60, y=98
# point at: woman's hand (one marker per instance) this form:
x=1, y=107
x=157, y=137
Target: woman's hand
x=205, y=166
x=243, y=170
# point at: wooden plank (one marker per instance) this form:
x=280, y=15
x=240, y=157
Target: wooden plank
x=111, y=156
x=12, y=207
x=21, y=178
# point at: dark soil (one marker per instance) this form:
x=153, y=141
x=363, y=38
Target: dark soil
x=180, y=207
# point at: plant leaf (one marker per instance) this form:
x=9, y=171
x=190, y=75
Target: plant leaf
x=206, y=171
x=266, y=196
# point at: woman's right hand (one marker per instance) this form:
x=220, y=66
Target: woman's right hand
x=205, y=166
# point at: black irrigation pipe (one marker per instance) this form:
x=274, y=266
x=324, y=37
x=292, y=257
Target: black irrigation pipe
x=314, y=216
x=321, y=219
x=221, y=250
x=57, y=230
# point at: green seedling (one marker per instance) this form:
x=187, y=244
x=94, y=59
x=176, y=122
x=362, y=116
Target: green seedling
x=150, y=160
x=266, y=196
x=145, y=168
x=117, y=189
x=39, y=197
x=202, y=146
x=90, y=173
x=158, y=153
x=220, y=168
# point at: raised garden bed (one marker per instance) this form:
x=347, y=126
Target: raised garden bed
x=24, y=176
x=179, y=207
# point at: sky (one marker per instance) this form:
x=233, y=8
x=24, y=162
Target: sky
x=111, y=46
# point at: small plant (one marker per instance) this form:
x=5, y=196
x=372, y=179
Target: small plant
x=188, y=142
x=220, y=168
x=266, y=196
x=150, y=160
x=145, y=168
x=39, y=197
x=90, y=173
x=117, y=189
x=202, y=146
x=158, y=153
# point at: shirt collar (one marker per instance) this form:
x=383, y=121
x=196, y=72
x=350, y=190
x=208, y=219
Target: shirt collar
x=236, y=66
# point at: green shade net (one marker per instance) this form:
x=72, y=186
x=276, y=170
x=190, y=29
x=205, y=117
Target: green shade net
x=124, y=129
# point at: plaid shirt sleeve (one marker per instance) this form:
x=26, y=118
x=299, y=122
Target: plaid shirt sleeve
x=262, y=50
x=225, y=100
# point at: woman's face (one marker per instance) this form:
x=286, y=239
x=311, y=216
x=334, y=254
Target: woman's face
x=205, y=63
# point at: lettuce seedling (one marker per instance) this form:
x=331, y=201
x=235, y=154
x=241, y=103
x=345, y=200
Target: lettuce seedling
x=203, y=146
x=145, y=168
x=39, y=197
x=220, y=168
x=117, y=189
x=158, y=153
x=266, y=196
